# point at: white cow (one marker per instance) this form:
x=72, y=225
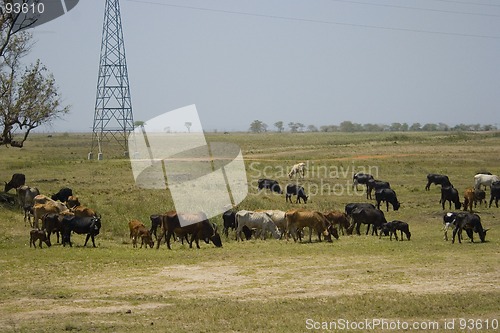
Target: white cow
x=256, y=220
x=485, y=180
x=299, y=168
x=278, y=217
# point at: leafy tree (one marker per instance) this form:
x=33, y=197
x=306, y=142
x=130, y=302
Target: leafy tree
x=188, y=125
x=29, y=97
x=312, y=128
x=294, y=128
x=258, y=126
x=279, y=126
x=415, y=127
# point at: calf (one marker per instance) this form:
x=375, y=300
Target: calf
x=437, y=179
x=468, y=221
x=40, y=236
x=292, y=189
x=449, y=221
x=138, y=229
x=392, y=227
x=495, y=193
x=156, y=221
x=299, y=169
x=259, y=221
x=450, y=194
x=389, y=196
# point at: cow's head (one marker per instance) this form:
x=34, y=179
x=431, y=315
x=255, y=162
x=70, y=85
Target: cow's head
x=216, y=240
x=482, y=235
x=276, y=188
x=396, y=205
x=458, y=204
x=333, y=231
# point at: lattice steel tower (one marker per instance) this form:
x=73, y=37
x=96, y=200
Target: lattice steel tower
x=113, y=117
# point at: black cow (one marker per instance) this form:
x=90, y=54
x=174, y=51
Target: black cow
x=360, y=178
x=63, y=194
x=52, y=223
x=269, y=184
x=450, y=194
x=389, y=196
x=468, y=221
x=437, y=179
x=292, y=189
x=449, y=221
x=375, y=185
x=17, y=180
x=495, y=193
x=155, y=223
x=351, y=206
x=392, y=227
x=366, y=216
x=201, y=229
x=80, y=225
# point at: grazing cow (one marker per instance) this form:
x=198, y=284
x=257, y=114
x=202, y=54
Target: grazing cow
x=202, y=229
x=138, y=229
x=361, y=178
x=298, y=169
x=229, y=221
x=17, y=180
x=449, y=221
x=389, y=196
x=338, y=218
x=469, y=195
x=350, y=207
x=278, y=217
x=292, y=189
x=26, y=195
x=80, y=225
x=259, y=221
x=450, y=194
x=269, y=184
x=479, y=196
x=376, y=185
x=369, y=216
x=495, y=193
x=52, y=223
x=298, y=219
x=468, y=221
x=392, y=227
x=485, y=180
x=437, y=179
x=63, y=194
x=40, y=236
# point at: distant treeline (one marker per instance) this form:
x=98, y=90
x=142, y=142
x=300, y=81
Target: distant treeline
x=258, y=126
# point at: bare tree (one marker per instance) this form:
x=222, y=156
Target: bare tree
x=188, y=125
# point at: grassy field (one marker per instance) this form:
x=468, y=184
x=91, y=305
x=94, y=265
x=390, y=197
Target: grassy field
x=257, y=286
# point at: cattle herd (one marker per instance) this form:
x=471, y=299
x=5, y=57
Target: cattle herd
x=63, y=214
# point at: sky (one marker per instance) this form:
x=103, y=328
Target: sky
x=318, y=62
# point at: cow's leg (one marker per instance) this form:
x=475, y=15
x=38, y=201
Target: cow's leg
x=86, y=240
x=167, y=238
x=387, y=205
x=455, y=230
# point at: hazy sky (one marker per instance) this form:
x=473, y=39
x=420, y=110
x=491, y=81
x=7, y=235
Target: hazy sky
x=317, y=62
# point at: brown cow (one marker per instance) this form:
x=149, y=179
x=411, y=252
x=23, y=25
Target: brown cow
x=83, y=211
x=138, y=229
x=298, y=219
x=469, y=198
x=338, y=218
x=40, y=236
x=72, y=201
x=53, y=207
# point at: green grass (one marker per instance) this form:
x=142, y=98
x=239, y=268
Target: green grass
x=262, y=286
